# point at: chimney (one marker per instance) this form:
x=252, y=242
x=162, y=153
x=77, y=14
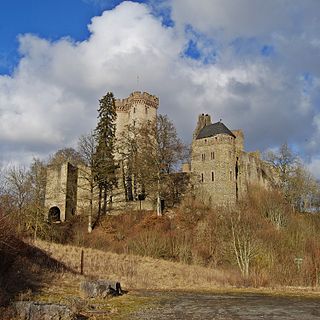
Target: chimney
x=203, y=120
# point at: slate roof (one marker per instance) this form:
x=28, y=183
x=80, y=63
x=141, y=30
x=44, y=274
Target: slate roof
x=214, y=129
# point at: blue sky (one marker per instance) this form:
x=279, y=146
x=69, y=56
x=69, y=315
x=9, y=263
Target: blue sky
x=253, y=64
x=50, y=19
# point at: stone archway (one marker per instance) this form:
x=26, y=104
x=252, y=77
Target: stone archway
x=54, y=214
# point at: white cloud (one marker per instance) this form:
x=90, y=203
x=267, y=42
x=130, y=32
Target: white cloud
x=52, y=96
x=247, y=18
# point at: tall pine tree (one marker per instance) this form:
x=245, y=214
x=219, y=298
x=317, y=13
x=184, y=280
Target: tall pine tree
x=104, y=164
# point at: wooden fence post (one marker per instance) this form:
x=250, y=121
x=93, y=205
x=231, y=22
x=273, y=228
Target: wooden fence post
x=81, y=262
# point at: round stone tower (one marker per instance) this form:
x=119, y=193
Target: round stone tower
x=137, y=108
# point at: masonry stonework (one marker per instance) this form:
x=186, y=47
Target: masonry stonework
x=67, y=188
x=61, y=191
x=220, y=170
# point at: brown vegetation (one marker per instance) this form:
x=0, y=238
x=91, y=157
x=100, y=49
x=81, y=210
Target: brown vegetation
x=136, y=272
x=263, y=239
x=22, y=266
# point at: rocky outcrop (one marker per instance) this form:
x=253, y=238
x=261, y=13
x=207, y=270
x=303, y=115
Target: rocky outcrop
x=100, y=288
x=30, y=310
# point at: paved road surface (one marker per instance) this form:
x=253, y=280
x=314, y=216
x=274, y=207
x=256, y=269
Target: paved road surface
x=186, y=306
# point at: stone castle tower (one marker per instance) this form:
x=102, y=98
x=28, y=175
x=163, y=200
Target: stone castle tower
x=66, y=190
x=137, y=108
x=223, y=171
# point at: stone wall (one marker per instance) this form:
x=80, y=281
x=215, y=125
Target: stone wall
x=213, y=159
x=61, y=190
x=137, y=108
x=222, y=171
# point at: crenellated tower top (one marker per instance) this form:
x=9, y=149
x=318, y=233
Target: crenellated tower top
x=137, y=97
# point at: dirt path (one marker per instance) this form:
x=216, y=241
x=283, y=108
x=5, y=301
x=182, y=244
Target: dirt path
x=185, y=306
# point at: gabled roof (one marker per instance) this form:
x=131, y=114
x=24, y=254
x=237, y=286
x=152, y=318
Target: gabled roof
x=214, y=129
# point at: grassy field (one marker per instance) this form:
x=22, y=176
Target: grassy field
x=137, y=275
x=136, y=272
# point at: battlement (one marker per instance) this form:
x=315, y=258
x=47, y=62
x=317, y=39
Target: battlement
x=136, y=97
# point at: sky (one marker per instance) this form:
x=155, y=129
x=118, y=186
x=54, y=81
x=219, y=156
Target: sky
x=254, y=64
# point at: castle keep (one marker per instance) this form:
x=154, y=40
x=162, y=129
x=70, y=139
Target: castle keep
x=220, y=170
x=134, y=110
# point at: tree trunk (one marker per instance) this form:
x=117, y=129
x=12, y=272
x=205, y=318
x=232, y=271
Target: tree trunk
x=90, y=210
x=100, y=198
x=105, y=201
x=159, y=212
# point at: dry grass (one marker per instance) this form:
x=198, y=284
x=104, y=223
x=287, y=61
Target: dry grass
x=135, y=272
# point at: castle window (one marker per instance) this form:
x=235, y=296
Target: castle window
x=134, y=123
x=205, y=141
x=230, y=175
x=134, y=110
x=212, y=155
x=212, y=176
x=146, y=110
x=202, y=179
x=203, y=157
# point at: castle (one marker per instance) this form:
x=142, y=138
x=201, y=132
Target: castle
x=220, y=170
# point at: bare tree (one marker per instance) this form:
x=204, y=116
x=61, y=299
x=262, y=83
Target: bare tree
x=65, y=155
x=159, y=152
x=245, y=225
x=37, y=183
x=284, y=160
x=86, y=149
x=18, y=186
x=296, y=182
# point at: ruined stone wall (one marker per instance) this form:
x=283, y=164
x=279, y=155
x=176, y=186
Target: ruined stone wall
x=61, y=189
x=239, y=141
x=255, y=172
x=213, y=160
x=56, y=189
